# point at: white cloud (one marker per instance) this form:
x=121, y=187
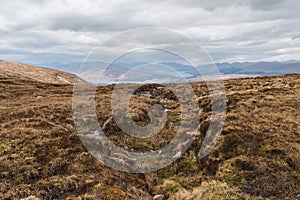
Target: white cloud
x=67, y=30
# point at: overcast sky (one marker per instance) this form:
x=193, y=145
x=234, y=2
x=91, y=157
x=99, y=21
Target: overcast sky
x=40, y=31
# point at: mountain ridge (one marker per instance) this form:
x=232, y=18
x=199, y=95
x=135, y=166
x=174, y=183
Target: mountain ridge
x=264, y=68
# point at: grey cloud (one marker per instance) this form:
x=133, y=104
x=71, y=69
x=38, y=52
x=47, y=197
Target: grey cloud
x=249, y=29
x=264, y=4
x=214, y=4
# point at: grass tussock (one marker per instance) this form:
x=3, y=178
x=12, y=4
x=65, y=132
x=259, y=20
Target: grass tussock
x=257, y=156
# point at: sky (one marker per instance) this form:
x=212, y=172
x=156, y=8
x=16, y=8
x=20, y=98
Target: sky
x=44, y=31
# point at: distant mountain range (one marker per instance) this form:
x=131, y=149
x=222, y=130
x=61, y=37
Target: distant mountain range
x=260, y=68
x=127, y=72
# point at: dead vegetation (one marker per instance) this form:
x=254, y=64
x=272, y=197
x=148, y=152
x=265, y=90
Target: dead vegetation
x=257, y=156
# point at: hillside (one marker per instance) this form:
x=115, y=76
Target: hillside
x=257, y=156
x=40, y=74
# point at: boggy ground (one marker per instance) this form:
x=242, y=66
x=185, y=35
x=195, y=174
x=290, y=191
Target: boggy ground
x=256, y=157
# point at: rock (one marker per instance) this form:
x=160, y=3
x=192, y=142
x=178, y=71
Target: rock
x=193, y=133
x=31, y=198
x=158, y=197
x=178, y=154
x=73, y=198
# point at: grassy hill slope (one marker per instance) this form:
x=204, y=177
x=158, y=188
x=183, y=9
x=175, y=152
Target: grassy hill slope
x=257, y=156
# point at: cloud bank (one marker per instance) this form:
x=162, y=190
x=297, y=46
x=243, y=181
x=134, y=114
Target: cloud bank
x=39, y=31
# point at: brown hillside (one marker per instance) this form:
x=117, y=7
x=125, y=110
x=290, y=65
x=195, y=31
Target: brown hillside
x=36, y=73
x=257, y=156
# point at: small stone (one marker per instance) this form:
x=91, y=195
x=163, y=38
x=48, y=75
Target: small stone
x=73, y=198
x=158, y=197
x=194, y=133
x=178, y=154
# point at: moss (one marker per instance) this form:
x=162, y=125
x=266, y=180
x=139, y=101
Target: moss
x=113, y=194
x=166, y=171
x=230, y=174
x=188, y=182
x=264, y=148
x=168, y=188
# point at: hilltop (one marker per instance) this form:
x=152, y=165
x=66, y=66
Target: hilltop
x=257, y=155
x=39, y=74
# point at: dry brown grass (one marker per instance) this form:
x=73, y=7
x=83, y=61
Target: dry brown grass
x=258, y=155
